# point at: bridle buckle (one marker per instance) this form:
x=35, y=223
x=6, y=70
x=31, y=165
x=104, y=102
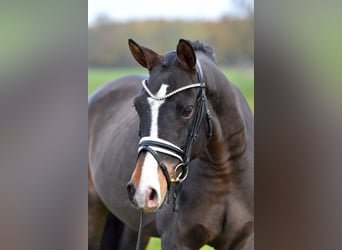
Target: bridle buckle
x=182, y=174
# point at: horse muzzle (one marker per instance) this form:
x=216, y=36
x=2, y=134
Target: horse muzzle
x=151, y=179
x=148, y=187
x=148, y=200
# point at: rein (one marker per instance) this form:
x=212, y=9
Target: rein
x=154, y=145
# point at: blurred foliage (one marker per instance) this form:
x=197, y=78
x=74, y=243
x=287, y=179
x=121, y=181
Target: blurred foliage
x=231, y=38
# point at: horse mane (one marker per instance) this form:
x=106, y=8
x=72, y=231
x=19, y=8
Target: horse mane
x=205, y=48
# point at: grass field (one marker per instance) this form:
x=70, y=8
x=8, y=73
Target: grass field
x=242, y=78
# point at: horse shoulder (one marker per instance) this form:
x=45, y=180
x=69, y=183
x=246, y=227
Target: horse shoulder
x=107, y=106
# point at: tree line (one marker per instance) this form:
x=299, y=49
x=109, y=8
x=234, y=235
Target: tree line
x=231, y=38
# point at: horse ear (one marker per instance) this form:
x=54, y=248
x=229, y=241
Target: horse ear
x=186, y=55
x=144, y=56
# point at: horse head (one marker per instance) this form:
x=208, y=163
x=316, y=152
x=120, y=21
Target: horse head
x=174, y=122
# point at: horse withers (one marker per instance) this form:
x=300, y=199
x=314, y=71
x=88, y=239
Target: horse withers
x=185, y=152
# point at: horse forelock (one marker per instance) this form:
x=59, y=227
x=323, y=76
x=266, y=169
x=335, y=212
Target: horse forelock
x=168, y=59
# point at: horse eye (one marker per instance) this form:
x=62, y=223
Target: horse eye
x=187, y=112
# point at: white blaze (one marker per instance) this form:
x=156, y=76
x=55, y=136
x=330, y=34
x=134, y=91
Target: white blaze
x=149, y=173
x=154, y=106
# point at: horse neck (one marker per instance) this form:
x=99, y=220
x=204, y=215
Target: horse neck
x=228, y=142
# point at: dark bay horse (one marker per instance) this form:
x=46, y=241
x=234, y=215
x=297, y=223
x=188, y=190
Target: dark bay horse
x=184, y=132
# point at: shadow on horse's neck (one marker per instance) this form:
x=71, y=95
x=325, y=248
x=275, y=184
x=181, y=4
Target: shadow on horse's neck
x=224, y=149
x=229, y=141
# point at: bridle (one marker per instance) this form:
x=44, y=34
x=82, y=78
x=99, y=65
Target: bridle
x=154, y=145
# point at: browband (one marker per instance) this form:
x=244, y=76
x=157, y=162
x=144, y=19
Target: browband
x=194, y=85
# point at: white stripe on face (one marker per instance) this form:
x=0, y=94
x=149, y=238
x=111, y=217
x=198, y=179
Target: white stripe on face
x=154, y=107
x=149, y=172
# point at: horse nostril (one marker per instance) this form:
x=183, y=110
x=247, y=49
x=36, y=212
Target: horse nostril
x=130, y=190
x=151, y=198
x=153, y=194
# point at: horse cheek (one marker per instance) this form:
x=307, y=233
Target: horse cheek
x=162, y=183
x=136, y=175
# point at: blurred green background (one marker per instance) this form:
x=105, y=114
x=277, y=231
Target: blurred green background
x=243, y=78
